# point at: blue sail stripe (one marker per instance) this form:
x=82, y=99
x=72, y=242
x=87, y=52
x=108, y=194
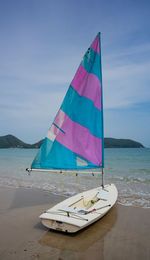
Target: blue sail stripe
x=91, y=63
x=88, y=115
x=53, y=155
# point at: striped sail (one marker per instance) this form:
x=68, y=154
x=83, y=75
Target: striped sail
x=75, y=138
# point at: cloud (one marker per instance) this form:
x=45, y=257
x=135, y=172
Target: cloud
x=126, y=77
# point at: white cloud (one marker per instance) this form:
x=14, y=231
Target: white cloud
x=126, y=79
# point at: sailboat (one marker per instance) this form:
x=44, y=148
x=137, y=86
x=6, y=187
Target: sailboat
x=75, y=142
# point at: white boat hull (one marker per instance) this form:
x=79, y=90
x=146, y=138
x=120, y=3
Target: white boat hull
x=81, y=210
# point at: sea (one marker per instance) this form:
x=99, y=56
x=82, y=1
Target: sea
x=128, y=169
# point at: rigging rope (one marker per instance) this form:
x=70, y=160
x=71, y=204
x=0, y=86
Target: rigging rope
x=78, y=183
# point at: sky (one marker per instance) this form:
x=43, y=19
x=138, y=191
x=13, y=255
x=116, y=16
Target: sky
x=42, y=43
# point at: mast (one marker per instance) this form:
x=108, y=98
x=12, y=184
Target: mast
x=102, y=112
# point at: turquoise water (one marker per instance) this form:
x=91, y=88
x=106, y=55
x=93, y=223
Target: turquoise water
x=128, y=169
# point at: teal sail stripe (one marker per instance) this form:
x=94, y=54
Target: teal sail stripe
x=59, y=156
x=91, y=63
x=88, y=115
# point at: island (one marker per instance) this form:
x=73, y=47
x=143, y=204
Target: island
x=10, y=141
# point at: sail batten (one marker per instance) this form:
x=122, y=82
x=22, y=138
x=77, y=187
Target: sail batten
x=75, y=138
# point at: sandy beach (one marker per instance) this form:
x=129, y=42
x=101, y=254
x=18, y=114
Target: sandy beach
x=122, y=234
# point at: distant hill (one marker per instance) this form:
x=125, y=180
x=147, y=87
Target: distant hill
x=10, y=141
x=121, y=143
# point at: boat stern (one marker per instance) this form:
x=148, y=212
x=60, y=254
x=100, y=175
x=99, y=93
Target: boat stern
x=58, y=225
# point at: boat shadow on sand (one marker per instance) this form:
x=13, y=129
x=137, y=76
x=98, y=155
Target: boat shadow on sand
x=83, y=239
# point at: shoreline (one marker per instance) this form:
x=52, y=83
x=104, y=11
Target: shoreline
x=121, y=234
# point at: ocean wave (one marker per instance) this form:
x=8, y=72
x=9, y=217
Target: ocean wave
x=127, y=195
x=129, y=179
x=144, y=170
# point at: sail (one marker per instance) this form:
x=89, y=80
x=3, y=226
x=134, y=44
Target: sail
x=75, y=138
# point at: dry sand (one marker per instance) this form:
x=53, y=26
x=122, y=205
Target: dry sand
x=124, y=233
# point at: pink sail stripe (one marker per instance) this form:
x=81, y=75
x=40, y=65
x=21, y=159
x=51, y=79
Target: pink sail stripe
x=77, y=138
x=95, y=45
x=87, y=85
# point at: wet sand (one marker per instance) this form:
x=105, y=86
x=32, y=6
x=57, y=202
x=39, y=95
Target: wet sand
x=122, y=234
